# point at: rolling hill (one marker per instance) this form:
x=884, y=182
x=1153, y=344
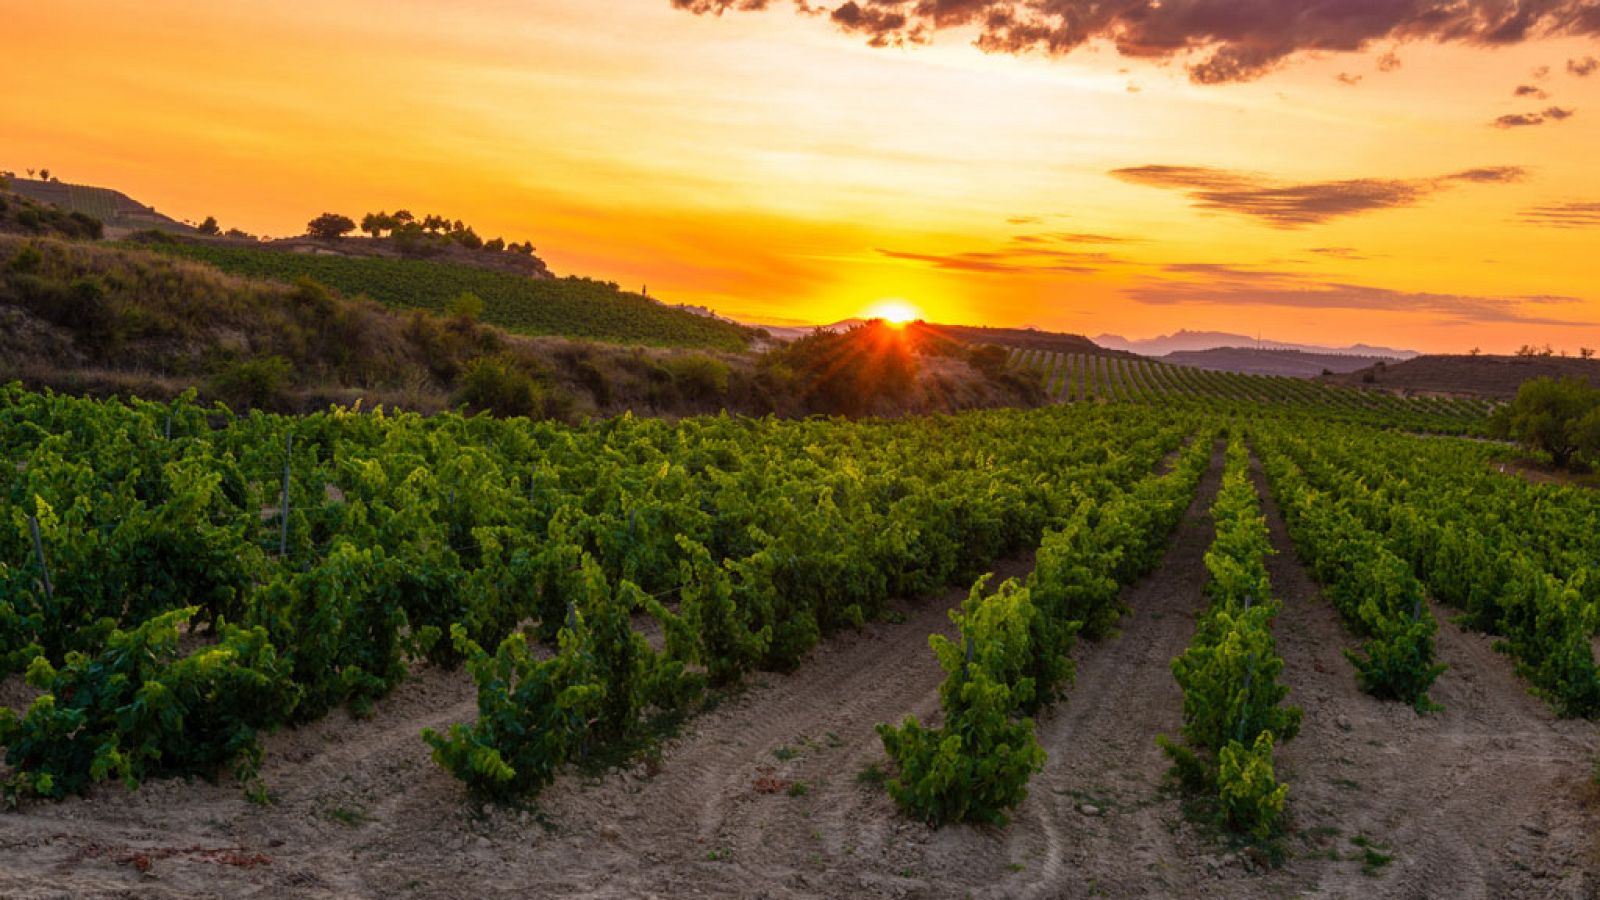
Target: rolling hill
x=1253, y=361
x=521, y=303
x=120, y=213
x=1478, y=376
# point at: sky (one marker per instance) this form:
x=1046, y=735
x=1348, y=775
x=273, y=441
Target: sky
x=1399, y=172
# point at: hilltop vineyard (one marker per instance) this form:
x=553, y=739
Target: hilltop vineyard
x=1079, y=377
x=572, y=307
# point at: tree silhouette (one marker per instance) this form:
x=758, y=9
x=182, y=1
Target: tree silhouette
x=330, y=226
x=377, y=223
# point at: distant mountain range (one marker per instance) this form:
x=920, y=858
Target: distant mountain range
x=1190, y=341
x=796, y=332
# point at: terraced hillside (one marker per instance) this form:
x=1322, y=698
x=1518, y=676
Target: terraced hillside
x=119, y=212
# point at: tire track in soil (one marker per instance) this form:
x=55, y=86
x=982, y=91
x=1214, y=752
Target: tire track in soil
x=1484, y=799
x=336, y=763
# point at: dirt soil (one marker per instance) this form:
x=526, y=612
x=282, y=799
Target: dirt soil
x=763, y=796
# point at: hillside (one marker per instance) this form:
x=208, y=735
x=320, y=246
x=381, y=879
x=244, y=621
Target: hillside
x=26, y=216
x=1253, y=361
x=1077, y=378
x=1480, y=376
x=120, y=213
x=570, y=307
x=106, y=319
x=1189, y=341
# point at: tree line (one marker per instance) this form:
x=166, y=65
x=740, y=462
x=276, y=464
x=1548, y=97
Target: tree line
x=413, y=234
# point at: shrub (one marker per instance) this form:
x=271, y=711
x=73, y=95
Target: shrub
x=498, y=385
x=26, y=260
x=258, y=383
x=467, y=307
x=699, y=377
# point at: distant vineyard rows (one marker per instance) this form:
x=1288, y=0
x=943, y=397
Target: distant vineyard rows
x=1076, y=377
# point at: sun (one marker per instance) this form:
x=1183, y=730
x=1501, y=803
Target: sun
x=895, y=311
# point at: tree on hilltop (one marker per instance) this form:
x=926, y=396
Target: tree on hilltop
x=330, y=226
x=377, y=223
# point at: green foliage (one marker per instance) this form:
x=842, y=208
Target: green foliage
x=532, y=715
x=1232, y=699
x=699, y=377
x=723, y=641
x=979, y=763
x=1372, y=588
x=1252, y=799
x=340, y=628
x=467, y=306
x=402, y=529
x=1558, y=416
x=1229, y=676
x=139, y=709
x=498, y=384
x=258, y=383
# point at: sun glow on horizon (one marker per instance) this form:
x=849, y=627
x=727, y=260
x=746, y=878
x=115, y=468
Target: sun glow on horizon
x=895, y=311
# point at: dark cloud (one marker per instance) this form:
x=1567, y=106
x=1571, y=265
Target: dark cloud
x=1389, y=62
x=1347, y=79
x=1296, y=205
x=882, y=27
x=1572, y=214
x=1583, y=68
x=1528, y=90
x=1526, y=120
x=1518, y=120
x=1227, y=285
x=1222, y=40
x=1339, y=252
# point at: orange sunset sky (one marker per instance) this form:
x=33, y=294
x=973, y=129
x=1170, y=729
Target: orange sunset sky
x=1420, y=190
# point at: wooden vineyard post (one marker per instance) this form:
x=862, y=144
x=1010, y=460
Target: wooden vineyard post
x=38, y=551
x=283, y=525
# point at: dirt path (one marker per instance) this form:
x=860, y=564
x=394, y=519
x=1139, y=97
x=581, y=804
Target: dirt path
x=1488, y=798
